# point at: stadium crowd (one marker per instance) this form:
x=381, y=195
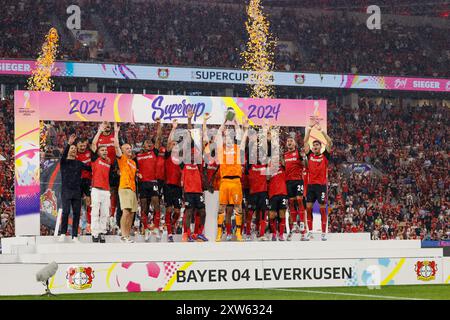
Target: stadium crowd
x=194, y=35
x=403, y=191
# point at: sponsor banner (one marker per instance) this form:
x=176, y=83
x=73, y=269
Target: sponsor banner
x=231, y=76
x=27, y=174
x=145, y=108
x=435, y=244
x=203, y=275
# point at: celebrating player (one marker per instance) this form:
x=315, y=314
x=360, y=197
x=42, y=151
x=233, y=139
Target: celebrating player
x=71, y=188
x=277, y=200
x=101, y=199
x=295, y=161
x=105, y=138
x=127, y=185
x=173, y=192
x=148, y=184
x=84, y=155
x=317, y=181
x=230, y=166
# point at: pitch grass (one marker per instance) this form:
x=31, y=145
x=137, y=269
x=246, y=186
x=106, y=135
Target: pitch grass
x=431, y=292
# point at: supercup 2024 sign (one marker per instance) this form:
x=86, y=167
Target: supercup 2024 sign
x=31, y=107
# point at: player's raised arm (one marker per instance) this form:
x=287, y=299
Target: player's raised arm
x=205, y=130
x=158, y=133
x=245, y=135
x=306, y=139
x=116, y=140
x=101, y=128
x=327, y=138
x=172, y=133
x=190, y=114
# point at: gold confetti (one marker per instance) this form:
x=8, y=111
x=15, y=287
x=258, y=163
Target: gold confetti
x=259, y=54
x=40, y=79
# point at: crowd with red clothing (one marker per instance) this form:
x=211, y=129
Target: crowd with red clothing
x=405, y=194
x=209, y=34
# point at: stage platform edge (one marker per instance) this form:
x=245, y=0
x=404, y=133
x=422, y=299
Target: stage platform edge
x=117, y=267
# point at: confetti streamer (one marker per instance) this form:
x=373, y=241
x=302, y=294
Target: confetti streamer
x=259, y=54
x=40, y=79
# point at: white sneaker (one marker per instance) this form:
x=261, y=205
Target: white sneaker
x=126, y=240
x=304, y=237
x=324, y=237
x=295, y=228
x=229, y=237
x=62, y=238
x=147, y=235
x=157, y=234
x=289, y=236
x=75, y=240
x=302, y=227
x=248, y=237
x=310, y=236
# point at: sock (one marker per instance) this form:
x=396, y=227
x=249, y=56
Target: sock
x=197, y=223
x=113, y=205
x=301, y=210
x=248, y=225
x=310, y=218
x=323, y=216
x=174, y=219
x=88, y=214
x=293, y=213
x=281, y=226
x=262, y=224
x=168, y=219
x=273, y=226
x=201, y=228
x=157, y=219
x=238, y=223
x=144, y=219
x=228, y=227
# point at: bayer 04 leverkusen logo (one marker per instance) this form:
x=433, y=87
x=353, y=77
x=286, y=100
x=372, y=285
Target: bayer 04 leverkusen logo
x=426, y=270
x=163, y=73
x=299, y=78
x=80, y=278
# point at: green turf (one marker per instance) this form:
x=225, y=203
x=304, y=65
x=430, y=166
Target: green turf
x=434, y=292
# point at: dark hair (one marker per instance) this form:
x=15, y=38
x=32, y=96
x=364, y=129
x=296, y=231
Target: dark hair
x=82, y=140
x=317, y=141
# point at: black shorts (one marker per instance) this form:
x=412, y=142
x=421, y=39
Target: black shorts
x=162, y=186
x=246, y=198
x=148, y=189
x=194, y=200
x=173, y=196
x=316, y=192
x=259, y=201
x=277, y=203
x=86, y=187
x=294, y=188
x=114, y=177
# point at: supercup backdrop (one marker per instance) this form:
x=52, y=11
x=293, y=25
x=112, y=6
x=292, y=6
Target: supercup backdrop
x=31, y=106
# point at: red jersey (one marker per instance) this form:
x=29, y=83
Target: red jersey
x=146, y=162
x=192, y=178
x=294, y=165
x=277, y=183
x=173, y=171
x=257, y=177
x=161, y=164
x=108, y=142
x=318, y=167
x=85, y=157
x=244, y=179
x=100, y=173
